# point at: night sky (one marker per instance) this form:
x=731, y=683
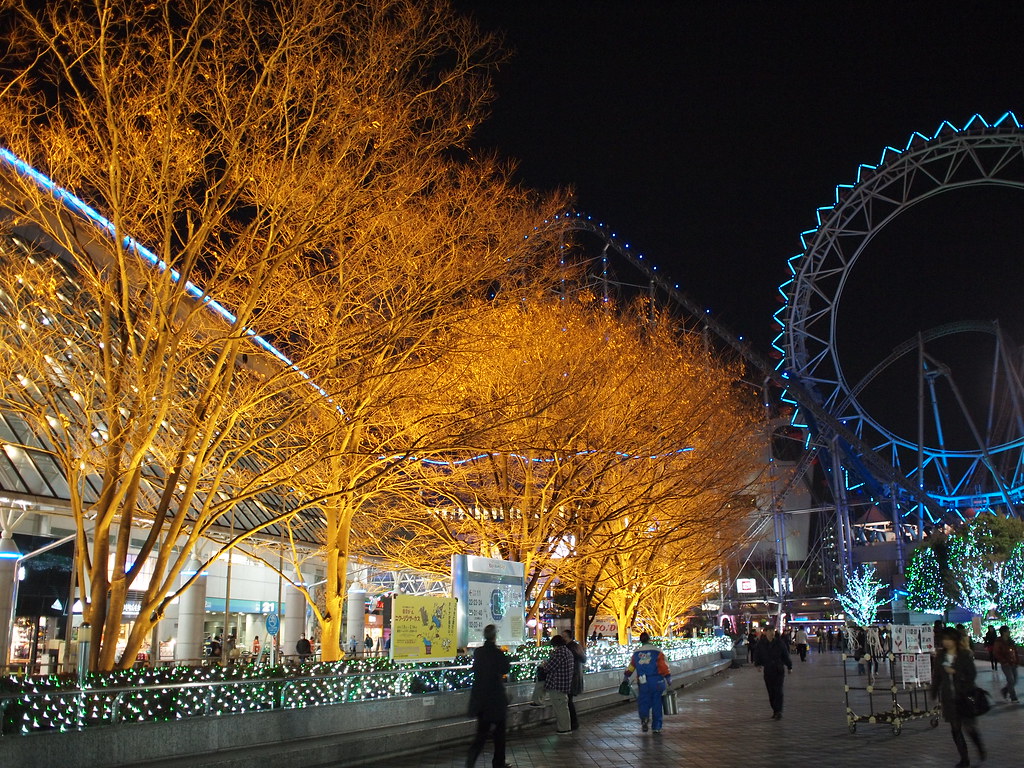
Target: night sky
x=707, y=133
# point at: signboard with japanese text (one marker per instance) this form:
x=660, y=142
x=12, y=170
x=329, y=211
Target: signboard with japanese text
x=912, y=648
x=423, y=627
x=490, y=591
x=924, y=668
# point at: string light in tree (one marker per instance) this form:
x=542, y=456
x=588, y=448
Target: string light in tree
x=860, y=601
x=1011, y=593
x=976, y=571
x=925, y=585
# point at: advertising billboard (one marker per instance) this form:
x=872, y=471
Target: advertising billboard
x=423, y=628
x=489, y=591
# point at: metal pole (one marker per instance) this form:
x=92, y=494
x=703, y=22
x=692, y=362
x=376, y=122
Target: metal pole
x=781, y=561
x=921, y=511
x=845, y=538
x=897, y=523
x=280, y=624
x=227, y=608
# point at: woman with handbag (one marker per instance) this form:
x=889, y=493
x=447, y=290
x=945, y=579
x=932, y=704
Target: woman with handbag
x=953, y=674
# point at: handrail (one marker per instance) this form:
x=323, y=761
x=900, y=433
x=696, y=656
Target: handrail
x=118, y=695
x=80, y=707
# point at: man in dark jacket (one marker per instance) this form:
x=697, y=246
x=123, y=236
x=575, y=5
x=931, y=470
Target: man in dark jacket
x=772, y=656
x=487, y=700
x=580, y=661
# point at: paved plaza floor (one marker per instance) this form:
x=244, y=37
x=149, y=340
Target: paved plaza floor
x=725, y=722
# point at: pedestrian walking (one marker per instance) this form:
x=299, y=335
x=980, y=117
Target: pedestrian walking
x=772, y=656
x=1004, y=651
x=751, y=645
x=368, y=643
x=653, y=678
x=558, y=671
x=303, y=648
x=800, y=638
x=487, y=700
x=989, y=641
x=953, y=676
x=821, y=640
x=579, y=665
x=965, y=638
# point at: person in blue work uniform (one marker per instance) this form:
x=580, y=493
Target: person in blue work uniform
x=654, y=678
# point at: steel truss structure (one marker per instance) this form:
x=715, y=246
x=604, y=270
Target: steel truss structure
x=988, y=474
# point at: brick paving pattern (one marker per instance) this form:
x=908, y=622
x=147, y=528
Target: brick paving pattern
x=725, y=722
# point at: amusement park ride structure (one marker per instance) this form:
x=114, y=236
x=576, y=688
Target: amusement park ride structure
x=920, y=480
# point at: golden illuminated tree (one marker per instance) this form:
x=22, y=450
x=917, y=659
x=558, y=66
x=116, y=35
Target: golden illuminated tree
x=658, y=575
x=382, y=315
x=513, y=385
x=299, y=161
x=601, y=423
x=677, y=504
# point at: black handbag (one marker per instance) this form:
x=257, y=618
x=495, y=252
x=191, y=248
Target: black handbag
x=977, y=702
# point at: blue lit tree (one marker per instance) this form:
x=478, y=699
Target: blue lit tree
x=860, y=601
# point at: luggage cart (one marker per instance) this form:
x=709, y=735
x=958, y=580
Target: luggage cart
x=887, y=698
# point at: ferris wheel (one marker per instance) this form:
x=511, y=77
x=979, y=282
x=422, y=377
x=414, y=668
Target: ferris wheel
x=986, y=471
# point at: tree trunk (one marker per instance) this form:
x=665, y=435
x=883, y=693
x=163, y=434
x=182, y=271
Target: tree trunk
x=580, y=617
x=332, y=627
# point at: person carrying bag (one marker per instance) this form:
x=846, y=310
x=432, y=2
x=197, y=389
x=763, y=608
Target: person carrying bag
x=653, y=677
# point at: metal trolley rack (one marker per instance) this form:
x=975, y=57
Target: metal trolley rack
x=896, y=690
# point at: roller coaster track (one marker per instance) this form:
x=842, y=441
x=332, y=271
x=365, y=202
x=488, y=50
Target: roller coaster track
x=826, y=425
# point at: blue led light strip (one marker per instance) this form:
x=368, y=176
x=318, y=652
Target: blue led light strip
x=73, y=203
x=76, y=205
x=1008, y=120
x=888, y=153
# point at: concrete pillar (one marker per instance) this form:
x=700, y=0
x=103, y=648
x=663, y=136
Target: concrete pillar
x=294, y=619
x=355, y=619
x=191, y=615
x=253, y=628
x=9, y=555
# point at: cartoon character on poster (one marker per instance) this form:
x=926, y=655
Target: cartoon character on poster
x=423, y=627
x=432, y=630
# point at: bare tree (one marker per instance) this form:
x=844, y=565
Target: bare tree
x=609, y=439
x=276, y=155
x=379, y=323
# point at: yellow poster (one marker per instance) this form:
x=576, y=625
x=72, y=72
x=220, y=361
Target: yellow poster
x=423, y=628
